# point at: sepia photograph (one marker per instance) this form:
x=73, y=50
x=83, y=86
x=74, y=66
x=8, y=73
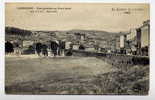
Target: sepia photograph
x=77, y=48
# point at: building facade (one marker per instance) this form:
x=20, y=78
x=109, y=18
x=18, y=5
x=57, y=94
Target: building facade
x=145, y=38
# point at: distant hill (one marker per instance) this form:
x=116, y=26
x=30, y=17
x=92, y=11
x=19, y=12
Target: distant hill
x=17, y=31
x=91, y=35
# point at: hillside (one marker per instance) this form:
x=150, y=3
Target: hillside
x=101, y=37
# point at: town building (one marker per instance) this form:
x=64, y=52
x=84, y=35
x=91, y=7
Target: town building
x=80, y=36
x=132, y=41
x=143, y=38
x=117, y=44
x=123, y=44
x=138, y=39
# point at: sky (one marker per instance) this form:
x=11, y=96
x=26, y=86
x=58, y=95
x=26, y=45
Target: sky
x=68, y=16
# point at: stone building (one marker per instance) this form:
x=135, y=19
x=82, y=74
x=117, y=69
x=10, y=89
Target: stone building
x=132, y=41
x=143, y=38
x=139, y=39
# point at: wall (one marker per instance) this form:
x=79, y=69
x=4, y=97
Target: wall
x=115, y=59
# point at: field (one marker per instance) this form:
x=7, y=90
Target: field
x=29, y=74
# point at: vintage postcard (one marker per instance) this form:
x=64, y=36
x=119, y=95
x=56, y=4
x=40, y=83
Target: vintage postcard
x=77, y=48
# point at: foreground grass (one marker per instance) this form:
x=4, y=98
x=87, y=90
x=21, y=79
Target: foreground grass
x=129, y=80
x=134, y=81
